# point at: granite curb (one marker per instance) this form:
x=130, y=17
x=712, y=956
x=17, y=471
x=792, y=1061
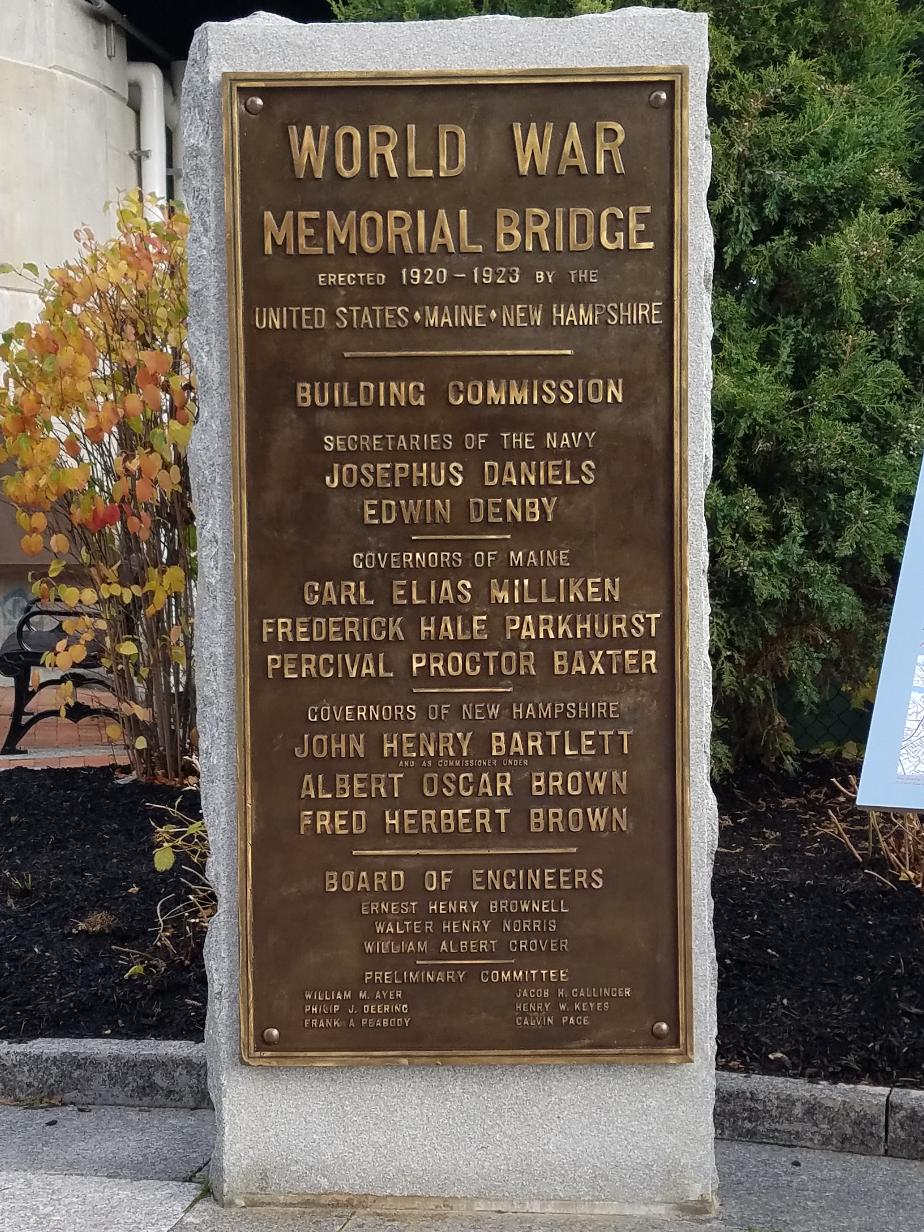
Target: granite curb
x=906, y=1123
x=137, y=1073
x=749, y=1107
x=826, y=1116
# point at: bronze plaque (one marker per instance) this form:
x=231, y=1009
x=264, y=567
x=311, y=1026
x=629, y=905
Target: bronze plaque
x=457, y=309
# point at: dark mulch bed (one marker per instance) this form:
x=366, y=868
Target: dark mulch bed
x=821, y=964
x=74, y=843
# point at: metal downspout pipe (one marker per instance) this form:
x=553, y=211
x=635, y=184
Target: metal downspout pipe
x=157, y=111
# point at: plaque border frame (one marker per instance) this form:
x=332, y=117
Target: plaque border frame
x=232, y=84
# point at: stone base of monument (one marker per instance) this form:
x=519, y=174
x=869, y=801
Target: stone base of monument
x=386, y=1204
x=592, y=1138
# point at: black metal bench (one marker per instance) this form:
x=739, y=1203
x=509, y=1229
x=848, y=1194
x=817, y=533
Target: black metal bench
x=22, y=653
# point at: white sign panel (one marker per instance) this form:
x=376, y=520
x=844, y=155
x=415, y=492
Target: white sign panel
x=893, y=768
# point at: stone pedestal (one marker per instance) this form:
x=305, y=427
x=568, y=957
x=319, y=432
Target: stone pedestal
x=596, y=1138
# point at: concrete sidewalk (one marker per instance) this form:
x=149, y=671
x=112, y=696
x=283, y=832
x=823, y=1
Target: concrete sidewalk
x=67, y=1169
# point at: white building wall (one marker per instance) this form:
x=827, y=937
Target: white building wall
x=66, y=134
x=66, y=137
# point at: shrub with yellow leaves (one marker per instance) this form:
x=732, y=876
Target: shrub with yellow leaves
x=96, y=415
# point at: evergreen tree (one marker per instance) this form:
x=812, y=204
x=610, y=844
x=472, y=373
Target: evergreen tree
x=816, y=111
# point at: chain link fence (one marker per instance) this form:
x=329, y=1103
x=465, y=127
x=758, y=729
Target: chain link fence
x=836, y=725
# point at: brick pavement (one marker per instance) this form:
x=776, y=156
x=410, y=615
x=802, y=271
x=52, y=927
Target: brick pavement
x=56, y=742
